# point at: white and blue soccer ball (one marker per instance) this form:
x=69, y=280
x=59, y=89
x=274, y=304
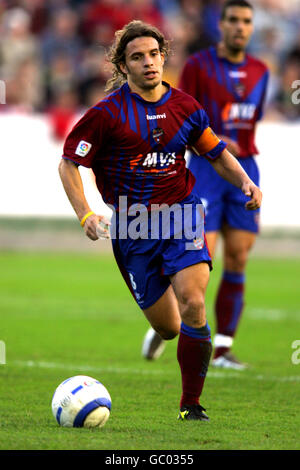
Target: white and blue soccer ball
x=81, y=401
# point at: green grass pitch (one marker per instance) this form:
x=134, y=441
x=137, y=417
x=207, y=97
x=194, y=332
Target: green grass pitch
x=63, y=315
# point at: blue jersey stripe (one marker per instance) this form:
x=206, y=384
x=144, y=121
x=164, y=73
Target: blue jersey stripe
x=123, y=115
x=216, y=63
x=234, y=134
x=205, y=101
x=197, y=120
x=165, y=97
x=142, y=120
x=199, y=59
x=257, y=92
x=107, y=109
x=116, y=103
x=110, y=112
x=119, y=173
x=227, y=78
x=130, y=113
x=207, y=64
x=216, y=121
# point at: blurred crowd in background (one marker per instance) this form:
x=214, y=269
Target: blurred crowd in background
x=53, y=53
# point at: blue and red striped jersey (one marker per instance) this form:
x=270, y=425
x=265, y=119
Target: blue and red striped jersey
x=231, y=94
x=136, y=148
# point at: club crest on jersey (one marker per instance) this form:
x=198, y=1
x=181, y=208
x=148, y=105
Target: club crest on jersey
x=198, y=243
x=83, y=148
x=240, y=89
x=157, y=133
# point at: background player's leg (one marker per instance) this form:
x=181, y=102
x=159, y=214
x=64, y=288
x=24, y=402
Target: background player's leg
x=194, y=344
x=230, y=296
x=211, y=240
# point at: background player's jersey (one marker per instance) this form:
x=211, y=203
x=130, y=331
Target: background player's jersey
x=136, y=148
x=231, y=94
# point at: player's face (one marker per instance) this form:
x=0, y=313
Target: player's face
x=143, y=63
x=237, y=28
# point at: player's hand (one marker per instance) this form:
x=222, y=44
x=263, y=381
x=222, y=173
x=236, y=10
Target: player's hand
x=250, y=189
x=232, y=146
x=97, y=226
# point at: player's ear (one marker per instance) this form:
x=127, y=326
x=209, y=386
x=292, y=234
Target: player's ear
x=162, y=58
x=123, y=68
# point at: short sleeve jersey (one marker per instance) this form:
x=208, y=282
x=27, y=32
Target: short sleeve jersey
x=232, y=94
x=136, y=148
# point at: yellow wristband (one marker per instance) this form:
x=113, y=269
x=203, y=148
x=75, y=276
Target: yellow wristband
x=85, y=217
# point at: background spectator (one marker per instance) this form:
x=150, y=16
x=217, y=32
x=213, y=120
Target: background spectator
x=53, y=54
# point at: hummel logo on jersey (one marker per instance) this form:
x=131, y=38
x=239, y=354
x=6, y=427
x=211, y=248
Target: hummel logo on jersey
x=156, y=116
x=237, y=73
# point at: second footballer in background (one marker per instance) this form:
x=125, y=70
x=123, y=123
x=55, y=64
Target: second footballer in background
x=231, y=86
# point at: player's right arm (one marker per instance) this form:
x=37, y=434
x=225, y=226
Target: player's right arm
x=81, y=148
x=73, y=186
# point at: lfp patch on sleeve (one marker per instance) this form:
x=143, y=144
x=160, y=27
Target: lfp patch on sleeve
x=83, y=148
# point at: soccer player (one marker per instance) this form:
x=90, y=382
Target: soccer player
x=231, y=86
x=135, y=141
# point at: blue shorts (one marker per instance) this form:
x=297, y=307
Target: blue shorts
x=223, y=202
x=146, y=264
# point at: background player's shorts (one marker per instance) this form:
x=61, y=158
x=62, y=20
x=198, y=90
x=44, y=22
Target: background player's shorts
x=224, y=202
x=146, y=264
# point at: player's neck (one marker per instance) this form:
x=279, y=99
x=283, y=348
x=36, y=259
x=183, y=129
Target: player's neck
x=152, y=95
x=236, y=57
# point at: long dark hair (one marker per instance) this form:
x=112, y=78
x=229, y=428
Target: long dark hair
x=116, y=55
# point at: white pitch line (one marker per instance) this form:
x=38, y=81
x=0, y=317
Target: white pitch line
x=85, y=368
x=123, y=370
x=271, y=314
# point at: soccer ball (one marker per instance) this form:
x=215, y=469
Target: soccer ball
x=81, y=401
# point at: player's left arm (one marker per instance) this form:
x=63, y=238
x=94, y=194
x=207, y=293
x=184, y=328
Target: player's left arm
x=228, y=167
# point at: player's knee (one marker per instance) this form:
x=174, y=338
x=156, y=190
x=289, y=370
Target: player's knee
x=236, y=261
x=194, y=311
x=194, y=303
